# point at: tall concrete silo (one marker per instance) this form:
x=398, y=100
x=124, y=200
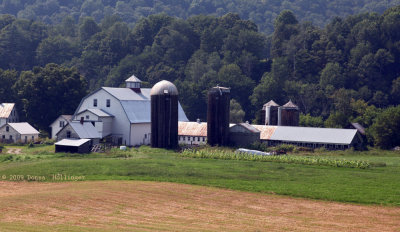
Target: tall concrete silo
x=164, y=115
x=271, y=113
x=218, y=116
x=288, y=115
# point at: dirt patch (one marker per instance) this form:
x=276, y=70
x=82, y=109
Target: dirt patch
x=16, y=151
x=149, y=206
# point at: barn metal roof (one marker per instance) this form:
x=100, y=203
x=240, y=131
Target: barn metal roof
x=98, y=112
x=246, y=126
x=72, y=142
x=127, y=94
x=314, y=135
x=133, y=78
x=137, y=105
x=23, y=128
x=192, y=128
x=6, y=109
x=266, y=131
x=85, y=130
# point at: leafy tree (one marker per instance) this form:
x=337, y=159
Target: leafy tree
x=309, y=121
x=385, y=130
x=48, y=92
x=236, y=114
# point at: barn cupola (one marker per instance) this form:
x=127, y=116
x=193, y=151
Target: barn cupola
x=133, y=83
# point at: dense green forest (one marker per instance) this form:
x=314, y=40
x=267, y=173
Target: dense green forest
x=346, y=71
x=261, y=12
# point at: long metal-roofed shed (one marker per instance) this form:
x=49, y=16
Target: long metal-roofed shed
x=330, y=138
x=73, y=145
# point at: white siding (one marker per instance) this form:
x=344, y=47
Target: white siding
x=16, y=137
x=192, y=140
x=55, y=126
x=140, y=134
x=120, y=125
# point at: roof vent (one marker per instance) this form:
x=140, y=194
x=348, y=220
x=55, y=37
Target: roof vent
x=133, y=83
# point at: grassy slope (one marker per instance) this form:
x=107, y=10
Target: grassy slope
x=378, y=185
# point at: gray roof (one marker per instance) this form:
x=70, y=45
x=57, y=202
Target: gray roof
x=137, y=106
x=23, y=128
x=164, y=87
x=133, y=78
x=67, y=117
x=85, y=130
x=127, y=94
x=270, y=103
x=98, y=112
x=314, y=135
x=72, y=142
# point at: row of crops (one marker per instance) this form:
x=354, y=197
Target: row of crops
x=290, y=159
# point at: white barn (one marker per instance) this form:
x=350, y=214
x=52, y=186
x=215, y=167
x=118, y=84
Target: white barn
x=121, y=113
x=18, y=132
x=8, y=113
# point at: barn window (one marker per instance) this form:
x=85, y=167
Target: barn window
x=183, y=138
x=108, y=102
x=4, y=136
x=204, y=139
x=198, y=139
x=61, y=123
x=7, y=128
x=33, y=137
x=87, y=116
x=68, y=134
x=10, y=136
x=95, y=102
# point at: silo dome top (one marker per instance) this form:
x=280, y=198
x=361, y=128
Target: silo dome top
x=164, y=87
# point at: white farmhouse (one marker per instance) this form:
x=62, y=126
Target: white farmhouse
x=121, y=113
x=58, y=124
x=8, y=113
x=18, y=132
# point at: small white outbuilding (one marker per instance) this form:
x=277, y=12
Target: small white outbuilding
x=18, y=132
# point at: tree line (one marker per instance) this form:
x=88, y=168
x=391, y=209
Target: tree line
x=262, y=12
x=347, y=71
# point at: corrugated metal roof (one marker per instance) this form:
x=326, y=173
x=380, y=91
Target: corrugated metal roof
x=359, y=128
x=137, y=105
x=314, y=135
x=247, y=127
x=72, y=142
x=290, y=104
x=6, y=109
x=265, y=131
x=98, y=112
x=85, y=130
x=23, y=128
x=127, y=94
x=140, y=111
x=133, y=78
x=192, y=128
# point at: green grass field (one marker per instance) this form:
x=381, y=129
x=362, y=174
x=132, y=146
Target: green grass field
x=374, y=185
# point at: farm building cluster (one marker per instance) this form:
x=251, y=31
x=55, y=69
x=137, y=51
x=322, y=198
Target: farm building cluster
x=134, y=116
x=13, y=131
